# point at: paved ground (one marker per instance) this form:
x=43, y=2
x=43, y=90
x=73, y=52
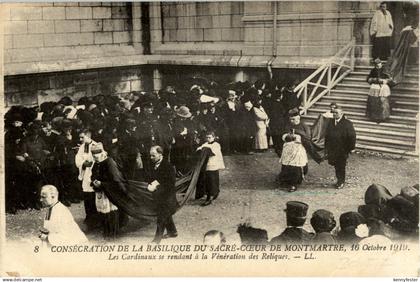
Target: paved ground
x=249, y=192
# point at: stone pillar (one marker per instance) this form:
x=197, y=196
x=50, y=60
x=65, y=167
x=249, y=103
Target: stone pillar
x=241, y=76
x=137, y=32
x=155, y=25
x=157, y=80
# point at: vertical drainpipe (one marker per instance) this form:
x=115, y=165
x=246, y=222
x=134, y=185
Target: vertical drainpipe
x=274, y=51
x=275, y=29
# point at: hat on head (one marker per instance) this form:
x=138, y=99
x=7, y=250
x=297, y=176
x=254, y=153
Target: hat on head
x=66, y=101
x=251, y=235
x=377, y=194
x=323, y=221
x=16, y=116
x=296, y=209
x=294, y=112
x=97, y=148
x=333, y=104
x=184, y=112
x=232, y=93
x=351, y=220
x=409, y=192
x=377, y=61
x=370, y=211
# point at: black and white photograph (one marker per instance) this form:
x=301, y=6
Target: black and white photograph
x=210, y=135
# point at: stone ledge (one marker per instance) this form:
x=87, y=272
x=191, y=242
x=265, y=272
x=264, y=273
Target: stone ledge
x=133, y=60
x=309, y=17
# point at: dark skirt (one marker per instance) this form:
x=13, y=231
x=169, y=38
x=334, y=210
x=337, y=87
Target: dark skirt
x=211, y=183
x=292, y=175
x=378, y=109
x=111, y=224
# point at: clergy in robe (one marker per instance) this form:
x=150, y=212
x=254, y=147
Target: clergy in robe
x=107, y=175
x=59, y=226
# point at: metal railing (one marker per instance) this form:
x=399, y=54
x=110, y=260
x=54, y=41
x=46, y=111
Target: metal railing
x=327, y=76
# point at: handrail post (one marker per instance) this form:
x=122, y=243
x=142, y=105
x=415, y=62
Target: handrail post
x=329, y=78
x=305, y=97
x=417, y=133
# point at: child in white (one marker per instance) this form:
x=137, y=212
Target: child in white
x=214, y=164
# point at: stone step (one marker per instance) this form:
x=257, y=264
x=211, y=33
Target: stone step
x=385, y=142
x=358, y=100
x=362, y=108
x=391, y=126
x=380, y=133
x=358, y=115
x=409, y=83
x=387, y=150
x=397, y=135
x=366, y=86
x=363, y=93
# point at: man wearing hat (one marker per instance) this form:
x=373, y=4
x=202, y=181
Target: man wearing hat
x=184, y=137
x=295, y=217
x=340, y=140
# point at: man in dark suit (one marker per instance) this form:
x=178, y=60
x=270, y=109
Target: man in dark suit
x=162, y=184
x=296, y=217
x=340, y=140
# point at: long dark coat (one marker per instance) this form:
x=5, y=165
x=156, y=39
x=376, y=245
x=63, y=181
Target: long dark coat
x=165, y=194
x=340, y=139
x=293, y=235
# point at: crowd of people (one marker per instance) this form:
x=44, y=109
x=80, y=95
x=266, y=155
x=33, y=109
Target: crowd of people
x=382, y=219
x=47, y=143
x=55, y=143
x=81, y=147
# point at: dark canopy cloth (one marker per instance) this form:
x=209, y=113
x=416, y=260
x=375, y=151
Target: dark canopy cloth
x=319, y=129
x=134, y=199
x=396, y=64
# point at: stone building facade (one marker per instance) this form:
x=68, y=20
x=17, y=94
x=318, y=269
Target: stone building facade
x=86, y=48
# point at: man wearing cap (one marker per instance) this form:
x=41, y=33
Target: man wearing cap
x=340, y=140
x=295, y=217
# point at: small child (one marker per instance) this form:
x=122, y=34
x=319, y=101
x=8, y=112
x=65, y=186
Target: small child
x=214, y=164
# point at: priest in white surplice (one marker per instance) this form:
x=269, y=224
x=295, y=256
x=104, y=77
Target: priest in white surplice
x=59, y=226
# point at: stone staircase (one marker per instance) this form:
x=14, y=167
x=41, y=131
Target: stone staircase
x=398, y=134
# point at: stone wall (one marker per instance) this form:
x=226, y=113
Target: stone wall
x=55, y=36
x=202, y=21
x=38, y=88
x=50, y=48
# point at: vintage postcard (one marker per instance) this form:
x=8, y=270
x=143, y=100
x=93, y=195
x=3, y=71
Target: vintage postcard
x=230, y=138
